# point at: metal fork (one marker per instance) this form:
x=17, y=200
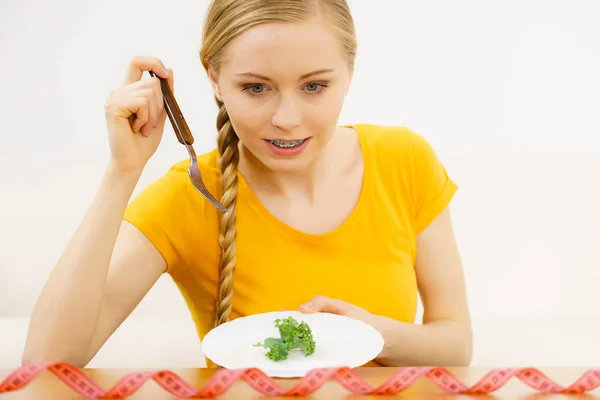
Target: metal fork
x=184, y=136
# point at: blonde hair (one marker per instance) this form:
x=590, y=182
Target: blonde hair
x=227, y=19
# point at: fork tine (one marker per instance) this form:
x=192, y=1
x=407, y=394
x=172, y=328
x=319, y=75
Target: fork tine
x=209, y=197
x=200, y=187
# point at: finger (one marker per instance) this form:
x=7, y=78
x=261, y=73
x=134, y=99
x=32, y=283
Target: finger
x=151, y=82
x=155, y=84
x=321, y=304
x=162, y=112
x=155, y=103
x=143, y=84
x=150, y=95
x=139, y=64
x=139, y=107
x=308, y=309
x=171, y=80
x=160, y=102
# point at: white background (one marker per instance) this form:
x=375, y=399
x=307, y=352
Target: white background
x=507, y=92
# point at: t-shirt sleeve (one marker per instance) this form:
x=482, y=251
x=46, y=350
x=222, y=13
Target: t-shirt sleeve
x=433, y=188
x=154, y=211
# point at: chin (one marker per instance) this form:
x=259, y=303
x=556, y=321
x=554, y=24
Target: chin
x=296, y=164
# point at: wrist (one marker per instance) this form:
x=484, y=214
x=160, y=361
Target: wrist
x=389, y=330
x=118, y=178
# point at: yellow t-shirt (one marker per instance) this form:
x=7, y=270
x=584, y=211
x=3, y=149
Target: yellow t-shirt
x=367, y=261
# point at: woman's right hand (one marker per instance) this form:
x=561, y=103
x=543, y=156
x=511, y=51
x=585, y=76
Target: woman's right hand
x=135, y=115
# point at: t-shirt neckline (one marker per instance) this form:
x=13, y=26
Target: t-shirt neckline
x=264, y=213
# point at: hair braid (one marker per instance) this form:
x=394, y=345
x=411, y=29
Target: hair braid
x=227, y=142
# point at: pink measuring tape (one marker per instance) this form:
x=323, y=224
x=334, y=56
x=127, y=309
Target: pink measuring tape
x=222, y=380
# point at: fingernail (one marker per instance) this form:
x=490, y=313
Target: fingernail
x=308, y=305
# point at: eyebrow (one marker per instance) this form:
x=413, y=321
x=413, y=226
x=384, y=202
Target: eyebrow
x=317, y=72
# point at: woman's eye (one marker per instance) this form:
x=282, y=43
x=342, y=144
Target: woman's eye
x=311, y=87
x=254, y=89
x=257, y=89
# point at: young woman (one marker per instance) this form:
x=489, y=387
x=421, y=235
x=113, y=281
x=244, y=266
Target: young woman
x=351, y=220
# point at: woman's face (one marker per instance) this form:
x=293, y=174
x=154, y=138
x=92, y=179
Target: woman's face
x=284, y=85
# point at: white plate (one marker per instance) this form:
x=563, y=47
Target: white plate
x=340, y=342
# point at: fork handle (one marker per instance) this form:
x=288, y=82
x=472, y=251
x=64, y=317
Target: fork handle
x=182, y=130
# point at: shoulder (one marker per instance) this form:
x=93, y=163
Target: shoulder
x=396, y=145
x=162, y=211
x=375, y=133
x=405, y=163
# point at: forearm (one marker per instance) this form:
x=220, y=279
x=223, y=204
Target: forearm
x=440, y=343
x=66, y=312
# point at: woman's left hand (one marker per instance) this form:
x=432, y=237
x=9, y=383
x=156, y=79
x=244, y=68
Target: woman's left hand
x=339, y=307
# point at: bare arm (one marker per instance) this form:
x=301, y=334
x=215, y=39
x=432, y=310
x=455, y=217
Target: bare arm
x=78, y=308
x=445, y=338
x=108, y=266
x=135, y=267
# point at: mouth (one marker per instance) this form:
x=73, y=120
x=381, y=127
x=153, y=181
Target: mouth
x=287, y=144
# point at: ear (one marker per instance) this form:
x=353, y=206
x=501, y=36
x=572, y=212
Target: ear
x=215, y=85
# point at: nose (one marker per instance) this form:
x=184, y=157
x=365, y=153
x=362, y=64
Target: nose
x=287, y=116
